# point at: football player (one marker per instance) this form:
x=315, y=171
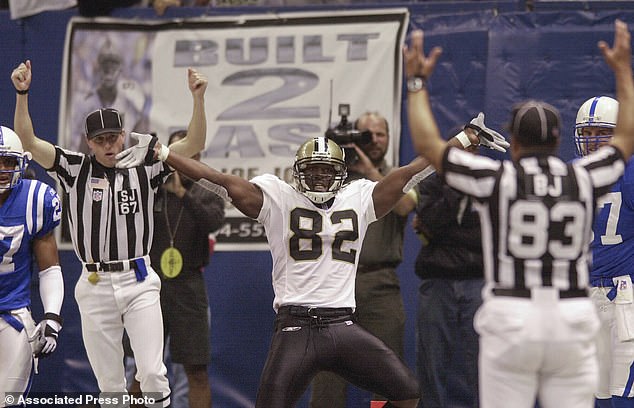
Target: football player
x=315, y=230
x=612, y=253
x=29, y=211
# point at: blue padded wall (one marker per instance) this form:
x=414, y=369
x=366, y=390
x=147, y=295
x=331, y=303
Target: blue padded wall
x=495, y=54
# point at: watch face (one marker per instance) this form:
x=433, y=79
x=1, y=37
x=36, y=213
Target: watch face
x=414, y=84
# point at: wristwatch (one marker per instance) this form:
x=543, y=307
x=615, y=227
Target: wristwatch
x=415, y=83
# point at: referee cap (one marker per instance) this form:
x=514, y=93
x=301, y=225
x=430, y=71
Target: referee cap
x=103, y=121
x=535, y=123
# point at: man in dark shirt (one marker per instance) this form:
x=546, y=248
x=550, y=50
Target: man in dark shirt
x=450, y=266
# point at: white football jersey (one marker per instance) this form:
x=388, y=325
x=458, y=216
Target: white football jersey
x=315, y=250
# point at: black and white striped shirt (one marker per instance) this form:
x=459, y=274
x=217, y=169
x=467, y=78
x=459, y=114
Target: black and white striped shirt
x=536, y=215
x=110, y=211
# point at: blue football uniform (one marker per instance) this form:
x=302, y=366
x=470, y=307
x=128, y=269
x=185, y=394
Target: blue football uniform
x=613, y=243
x=612, y=268
x=31, y=211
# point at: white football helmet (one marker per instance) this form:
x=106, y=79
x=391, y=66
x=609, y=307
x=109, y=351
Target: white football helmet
x=319, y=150
x=597, y=112
x=11, y=147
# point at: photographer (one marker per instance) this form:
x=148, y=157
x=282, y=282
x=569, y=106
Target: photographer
x=379, y=302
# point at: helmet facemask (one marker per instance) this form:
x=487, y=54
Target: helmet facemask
x=319, y=169
x=595, y=123
x=586, y=144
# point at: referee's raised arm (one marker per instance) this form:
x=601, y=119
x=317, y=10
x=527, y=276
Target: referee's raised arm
x=43, y=152
x=424, y=131
x=619, y=58
x=194, y=142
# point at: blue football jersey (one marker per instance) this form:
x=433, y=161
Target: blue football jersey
x=32, y=210
x=613, y=242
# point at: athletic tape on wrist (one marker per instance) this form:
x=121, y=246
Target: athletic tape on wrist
x=463, y=139
x=418, y=177
x=163, y=153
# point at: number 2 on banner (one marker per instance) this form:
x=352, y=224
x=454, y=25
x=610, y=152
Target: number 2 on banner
x=296, y=82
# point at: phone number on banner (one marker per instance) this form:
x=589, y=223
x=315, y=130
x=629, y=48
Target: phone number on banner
x=241, y=230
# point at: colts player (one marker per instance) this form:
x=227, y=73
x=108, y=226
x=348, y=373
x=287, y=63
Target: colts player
x=612, y=253
x=29, y=211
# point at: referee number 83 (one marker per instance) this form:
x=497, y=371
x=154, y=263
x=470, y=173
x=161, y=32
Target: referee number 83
x=534, y=229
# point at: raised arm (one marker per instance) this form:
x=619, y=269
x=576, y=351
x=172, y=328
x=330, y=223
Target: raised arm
x=43, y=152
x=194, y=142
x=245, y=196
x=390, y=189
x=423, y=129
x=619, y=58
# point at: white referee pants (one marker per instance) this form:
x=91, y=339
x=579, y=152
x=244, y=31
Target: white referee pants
x=537, y=348
x=16, y=356
x=115, y=302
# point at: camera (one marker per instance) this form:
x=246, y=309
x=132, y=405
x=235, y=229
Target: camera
x=344, y=133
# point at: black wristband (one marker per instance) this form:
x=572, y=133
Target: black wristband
x=19, y=92
x=54, y=317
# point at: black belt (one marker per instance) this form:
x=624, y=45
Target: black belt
x=117, y=266
x=376, y=267
x=303, y=311
x=526, y=293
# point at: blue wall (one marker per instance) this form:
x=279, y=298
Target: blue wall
x=495, y=55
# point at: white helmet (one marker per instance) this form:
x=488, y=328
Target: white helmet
x=601, y=112
x=11, y=147
x=319, y=150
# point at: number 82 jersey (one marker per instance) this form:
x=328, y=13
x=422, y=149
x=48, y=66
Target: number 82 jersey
x=32, y=210
x=315, y=250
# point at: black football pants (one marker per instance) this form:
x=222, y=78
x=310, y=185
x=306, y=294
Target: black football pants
x=303, y=346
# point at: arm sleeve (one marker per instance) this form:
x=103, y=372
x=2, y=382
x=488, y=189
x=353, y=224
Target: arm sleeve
x=66, y=167
x=471, y=174
x=52, y=289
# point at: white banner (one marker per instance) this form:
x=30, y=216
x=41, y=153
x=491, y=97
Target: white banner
x=273, y=81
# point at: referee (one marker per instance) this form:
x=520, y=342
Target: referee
x=537, y=325
x=111, y=221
